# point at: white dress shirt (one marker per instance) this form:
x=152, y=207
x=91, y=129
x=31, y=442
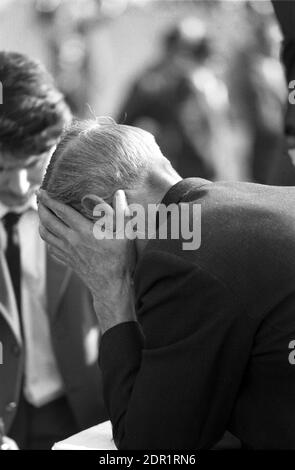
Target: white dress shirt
x=42, y=380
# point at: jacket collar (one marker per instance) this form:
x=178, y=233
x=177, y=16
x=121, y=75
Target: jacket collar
x=184, y=190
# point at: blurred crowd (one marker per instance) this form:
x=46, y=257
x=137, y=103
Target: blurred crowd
x=213, y=119
x=212, y=90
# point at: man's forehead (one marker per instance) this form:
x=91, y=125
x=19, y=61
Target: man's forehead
x=8, y=161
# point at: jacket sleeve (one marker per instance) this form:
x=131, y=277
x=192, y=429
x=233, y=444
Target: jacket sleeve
x=170, y=381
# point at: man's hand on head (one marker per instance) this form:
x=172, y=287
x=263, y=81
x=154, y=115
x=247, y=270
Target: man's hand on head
x=104, y=265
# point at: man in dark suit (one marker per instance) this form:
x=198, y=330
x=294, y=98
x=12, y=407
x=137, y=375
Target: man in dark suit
x=209, y=344
x=50, y=384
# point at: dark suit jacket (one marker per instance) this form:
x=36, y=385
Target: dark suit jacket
x=213, y=347
x=74, y=333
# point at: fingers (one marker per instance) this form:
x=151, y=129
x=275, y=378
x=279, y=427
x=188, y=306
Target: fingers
x=122, y=210
x=67, y=214
x=58, y=256
x=51, y=239
x=52, y=223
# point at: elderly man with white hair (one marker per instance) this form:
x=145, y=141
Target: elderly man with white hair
x=194, y=342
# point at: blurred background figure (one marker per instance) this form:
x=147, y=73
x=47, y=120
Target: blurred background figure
x=258, y=91
x=181, y=101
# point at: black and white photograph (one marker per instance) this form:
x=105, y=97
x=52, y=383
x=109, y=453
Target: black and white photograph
x=147, y=228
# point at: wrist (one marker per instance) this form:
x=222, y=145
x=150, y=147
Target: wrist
x=117, y=308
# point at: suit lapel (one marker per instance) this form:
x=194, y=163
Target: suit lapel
x=8, y=306
x=58, y=276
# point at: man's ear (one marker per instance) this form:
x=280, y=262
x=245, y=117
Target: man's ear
x=88, y=202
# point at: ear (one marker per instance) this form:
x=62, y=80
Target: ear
x=88, y=202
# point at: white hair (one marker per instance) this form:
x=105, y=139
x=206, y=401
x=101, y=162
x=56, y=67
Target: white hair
x=99, y=157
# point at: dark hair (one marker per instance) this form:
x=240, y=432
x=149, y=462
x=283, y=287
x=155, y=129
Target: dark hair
x=33, y=113
x=190, y=35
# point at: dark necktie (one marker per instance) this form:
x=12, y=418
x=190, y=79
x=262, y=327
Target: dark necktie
x=12, y=254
